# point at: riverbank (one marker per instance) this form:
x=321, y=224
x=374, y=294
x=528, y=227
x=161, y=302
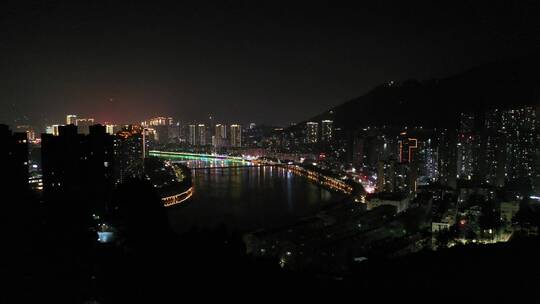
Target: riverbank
x=173, y=182
x=322, y=177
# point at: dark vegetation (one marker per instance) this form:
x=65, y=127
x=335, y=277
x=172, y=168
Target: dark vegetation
x=51, y=255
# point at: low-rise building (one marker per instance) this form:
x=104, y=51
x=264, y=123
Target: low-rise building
x=398, y=200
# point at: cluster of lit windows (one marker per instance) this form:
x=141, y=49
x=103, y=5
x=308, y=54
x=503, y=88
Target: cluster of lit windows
x=312, y=132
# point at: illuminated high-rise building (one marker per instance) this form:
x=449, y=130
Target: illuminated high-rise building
x=158, y=121
x=174, y=132
x=312, y=132
x=395, y=177
x=84, y=124
x=386, y=176
x=236, y=136
x=192, y=136
x=326, y=130
x=407, y=146
x=467, y=142
x=220, y=136
x=446, y=157
x=56, y=130
x=426, y=161
x=30, y=133
x=201, y=134
x=520, y=127
x=510, y=145
x=165, y=128
x=112, y=129
x=493, y=148
x=71, y=119
x=494, y=158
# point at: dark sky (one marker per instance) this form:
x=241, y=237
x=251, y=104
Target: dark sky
x=263, y=61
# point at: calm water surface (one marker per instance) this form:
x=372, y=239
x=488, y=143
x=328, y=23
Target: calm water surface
x=246, y=198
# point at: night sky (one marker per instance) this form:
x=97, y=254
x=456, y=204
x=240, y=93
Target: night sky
x=269, y=62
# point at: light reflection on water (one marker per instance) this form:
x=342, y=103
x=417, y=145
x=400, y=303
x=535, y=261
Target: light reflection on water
x=246, y=198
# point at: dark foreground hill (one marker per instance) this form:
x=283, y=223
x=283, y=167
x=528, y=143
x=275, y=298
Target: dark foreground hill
x=50, y=257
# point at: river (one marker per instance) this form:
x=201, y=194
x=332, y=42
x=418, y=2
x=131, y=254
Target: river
x=246, y=198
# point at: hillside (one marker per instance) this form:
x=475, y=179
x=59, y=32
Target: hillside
x=437, y=103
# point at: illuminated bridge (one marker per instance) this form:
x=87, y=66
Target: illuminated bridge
x=198, y=161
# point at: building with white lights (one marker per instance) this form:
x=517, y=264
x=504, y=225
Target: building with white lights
x=466, y=147
x=326, y=130
x=71, y=119
x=55, y=130
x=201, y=135
x=84, y=124
x=236, y=136
x=312, y=132
x=220, y=136
x=192, y=136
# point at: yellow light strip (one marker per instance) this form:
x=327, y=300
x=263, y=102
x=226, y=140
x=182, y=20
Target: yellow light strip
x=174, y=198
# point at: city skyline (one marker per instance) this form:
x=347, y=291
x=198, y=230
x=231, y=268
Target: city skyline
x=275, y=148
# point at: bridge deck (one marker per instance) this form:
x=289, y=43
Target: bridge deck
x=223, y=167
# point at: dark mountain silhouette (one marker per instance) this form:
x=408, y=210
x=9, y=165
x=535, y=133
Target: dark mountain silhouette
x=437, y=103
